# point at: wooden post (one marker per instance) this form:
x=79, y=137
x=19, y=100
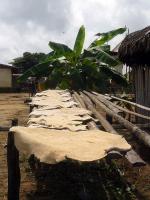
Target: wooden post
x=13, y=168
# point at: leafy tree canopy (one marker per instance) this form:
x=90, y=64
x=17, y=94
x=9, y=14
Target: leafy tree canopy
x=28, y=60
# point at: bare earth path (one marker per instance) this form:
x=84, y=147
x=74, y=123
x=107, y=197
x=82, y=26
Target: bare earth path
x=11, y=106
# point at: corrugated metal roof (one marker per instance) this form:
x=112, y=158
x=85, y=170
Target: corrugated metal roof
x=4, y=66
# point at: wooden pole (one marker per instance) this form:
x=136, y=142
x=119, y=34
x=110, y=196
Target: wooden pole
x=105, y=101
x=110, y=105
x=140, y=134
x=119, y=126
x=112, y=154
x=131, y=156
x=80, y=101
x=99, y=116
x=132, y=103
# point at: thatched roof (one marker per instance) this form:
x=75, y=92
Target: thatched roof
x=135, y=48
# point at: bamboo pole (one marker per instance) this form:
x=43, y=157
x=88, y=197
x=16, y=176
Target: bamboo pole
x=140, y=134
x=76, y=100
x=132, y=103
x=119, y=126
x=131, y=156
x=79, y=100
x=104, y=100
x=102, y=119
x=112, y=154
x=110, y=105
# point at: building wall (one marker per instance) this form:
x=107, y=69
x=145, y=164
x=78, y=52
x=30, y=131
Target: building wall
x=5, y=78
x=142, y=89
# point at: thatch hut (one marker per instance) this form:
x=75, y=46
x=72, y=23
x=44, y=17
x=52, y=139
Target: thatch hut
x=135, y=52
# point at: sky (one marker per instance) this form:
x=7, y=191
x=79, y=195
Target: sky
x=28, y=25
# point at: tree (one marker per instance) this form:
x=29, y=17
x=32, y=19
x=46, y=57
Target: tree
x=78, y=69
x=28, y=60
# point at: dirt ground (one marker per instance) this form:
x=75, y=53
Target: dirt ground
x=64, y=180
x=12, y=106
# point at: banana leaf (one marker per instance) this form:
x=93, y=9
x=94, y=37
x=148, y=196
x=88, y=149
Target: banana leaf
x=78, y=46
x=106, y=48
x=114, y=75
x=106, y=37
x=62, y=50
x=101, y=56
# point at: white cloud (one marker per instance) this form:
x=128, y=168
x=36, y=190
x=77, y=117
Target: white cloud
x=29, y=25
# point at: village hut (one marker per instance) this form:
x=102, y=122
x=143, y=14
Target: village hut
x=134, y=51
x=8, y=78
x=5, y=76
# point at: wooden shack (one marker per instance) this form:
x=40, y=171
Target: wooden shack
x=5, y=76
x=135, y=52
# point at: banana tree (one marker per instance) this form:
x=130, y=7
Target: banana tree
x=78, y=69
